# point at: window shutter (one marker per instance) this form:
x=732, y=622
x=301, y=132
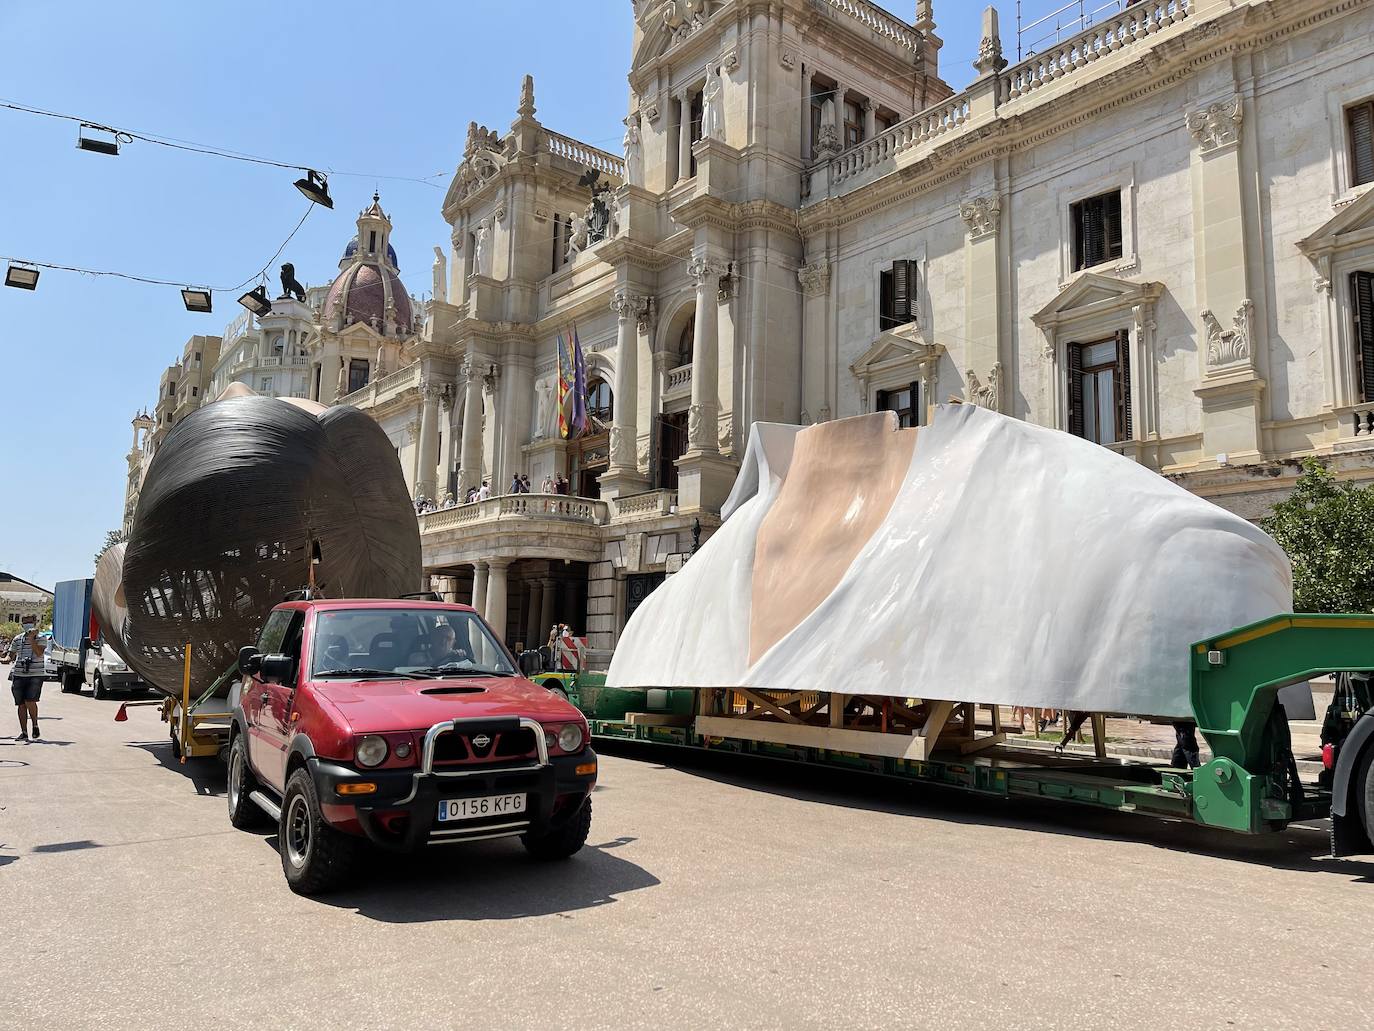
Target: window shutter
x=901, y=291
x=1075, y=384
x=1123, y=383
x=885, y=309
x=916, y=410
x=1111, y=226
x=1360, y=121
x=1362, y=302
x=880, y=401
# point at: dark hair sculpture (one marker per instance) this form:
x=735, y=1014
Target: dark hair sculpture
x=234, y=504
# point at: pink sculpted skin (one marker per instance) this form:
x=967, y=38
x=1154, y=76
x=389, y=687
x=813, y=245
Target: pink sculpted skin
x=840, y=487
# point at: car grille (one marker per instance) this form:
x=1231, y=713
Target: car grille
x=452, y=749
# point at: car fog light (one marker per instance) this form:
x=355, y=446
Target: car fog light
x=570, y=738
x=372, y=751
x=403, y=750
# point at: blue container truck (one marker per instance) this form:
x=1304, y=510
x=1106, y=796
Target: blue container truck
x=73, y=629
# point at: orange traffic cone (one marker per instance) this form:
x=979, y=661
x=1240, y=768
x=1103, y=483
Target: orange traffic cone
x=122, y=716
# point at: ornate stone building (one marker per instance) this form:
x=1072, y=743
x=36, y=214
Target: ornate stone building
x=1157, y=233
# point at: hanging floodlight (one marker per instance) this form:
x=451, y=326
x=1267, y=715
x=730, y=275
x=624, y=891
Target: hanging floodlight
x=316, y=188
x=97, y=139
x=196, y=299
x=257, y=301
x=21, y=277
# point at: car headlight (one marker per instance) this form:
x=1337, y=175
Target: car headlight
x=570, y=738
x=371, y=751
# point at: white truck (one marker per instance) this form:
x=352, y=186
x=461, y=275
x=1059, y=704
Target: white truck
x=106, y=671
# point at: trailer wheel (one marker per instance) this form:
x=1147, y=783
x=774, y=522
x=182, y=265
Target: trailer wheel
x=70, y=682
x=172, y=733
x=315, y=857
x=566, y=840
x=244, y=813
x=1367, y=809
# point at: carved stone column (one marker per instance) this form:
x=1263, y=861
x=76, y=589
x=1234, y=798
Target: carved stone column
x=623, y=475
x=814, y=278
x=806, y=115
x=495, y=612
x=702, y=430
x=545, y=609
x=429, y=437
x=704, y=476
x=983, y=316
x=870, y=119
x=684, y=138
x=532, y=632
x=479, y=586
x=470, y=458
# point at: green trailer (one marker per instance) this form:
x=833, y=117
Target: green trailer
x=1251, y=784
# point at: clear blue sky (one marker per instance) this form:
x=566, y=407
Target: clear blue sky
x=380, y=89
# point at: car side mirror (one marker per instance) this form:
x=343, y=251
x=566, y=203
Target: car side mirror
x=276, y=669
x=250, y=661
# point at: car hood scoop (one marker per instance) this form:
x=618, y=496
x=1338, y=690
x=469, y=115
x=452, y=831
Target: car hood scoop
x=453, y=689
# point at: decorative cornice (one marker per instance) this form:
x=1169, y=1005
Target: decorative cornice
x=1217, y=125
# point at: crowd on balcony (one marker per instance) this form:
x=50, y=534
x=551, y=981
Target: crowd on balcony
x=519, y=484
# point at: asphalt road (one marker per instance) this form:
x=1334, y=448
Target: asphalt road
x=711, y=896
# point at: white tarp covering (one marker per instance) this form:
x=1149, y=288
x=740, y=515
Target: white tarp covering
x=1004, y=563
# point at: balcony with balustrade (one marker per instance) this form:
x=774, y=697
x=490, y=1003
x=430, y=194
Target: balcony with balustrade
x=515, y=526
x=1111, y=47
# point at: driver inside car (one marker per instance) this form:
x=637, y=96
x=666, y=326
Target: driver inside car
x=440, y=648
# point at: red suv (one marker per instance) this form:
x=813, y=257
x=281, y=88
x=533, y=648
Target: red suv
x=405, y=724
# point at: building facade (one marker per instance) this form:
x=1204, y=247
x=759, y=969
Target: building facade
x=1155, y=234
x=20, y=599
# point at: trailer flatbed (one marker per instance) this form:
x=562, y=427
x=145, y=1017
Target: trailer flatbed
x=1251, y=785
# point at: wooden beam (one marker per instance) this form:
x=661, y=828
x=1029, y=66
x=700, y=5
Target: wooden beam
x=767, y=703
x=837, y=704
x=978, y=744
x=862, y=742
x=658, y=719
x=935, y=723
x=1100, y=734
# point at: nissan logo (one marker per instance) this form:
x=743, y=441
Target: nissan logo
x=481, y=741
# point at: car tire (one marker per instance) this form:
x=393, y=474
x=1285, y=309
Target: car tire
x=70, y=682
x=566, y=841
x=98, y=690
x=315, y=857
x=244, y=813
x=172, y=733
x=1367, y=808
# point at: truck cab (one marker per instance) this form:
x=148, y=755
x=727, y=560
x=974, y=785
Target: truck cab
x=399, y=724
x=107, y=672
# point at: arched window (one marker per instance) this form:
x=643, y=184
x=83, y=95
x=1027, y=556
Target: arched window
x=599, y=400
x=684, y=343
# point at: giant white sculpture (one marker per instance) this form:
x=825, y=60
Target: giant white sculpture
x=979, y=559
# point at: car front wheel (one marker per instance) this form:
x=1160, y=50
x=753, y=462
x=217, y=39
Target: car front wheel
x=566, y=840
x=98, y=688
x=315, y=857
x=244, y=813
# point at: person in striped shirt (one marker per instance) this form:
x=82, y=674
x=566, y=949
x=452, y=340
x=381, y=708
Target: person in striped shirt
x=26, y=676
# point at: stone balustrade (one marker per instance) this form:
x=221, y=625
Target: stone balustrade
x=1129, y=28
x=878, y=20
x=299, y=359
x=647, y=505
x=515, y=507
x=866, y=161
x=679, y=381
x=583, y=153
x=271, y=361
x=384, y=389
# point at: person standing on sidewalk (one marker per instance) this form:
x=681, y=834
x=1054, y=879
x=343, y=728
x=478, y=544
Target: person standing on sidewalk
x=26, y=676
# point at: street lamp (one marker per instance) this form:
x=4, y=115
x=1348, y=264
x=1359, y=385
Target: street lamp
x=257, y=301
x=316, y=188
x=196, y=299
x=21, y=277
x=97, y=139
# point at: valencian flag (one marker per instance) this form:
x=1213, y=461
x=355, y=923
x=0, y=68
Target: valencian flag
x=572, y=387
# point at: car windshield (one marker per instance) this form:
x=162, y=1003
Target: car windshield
x=355, y=644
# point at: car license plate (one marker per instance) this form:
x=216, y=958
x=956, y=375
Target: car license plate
x=476, y=808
